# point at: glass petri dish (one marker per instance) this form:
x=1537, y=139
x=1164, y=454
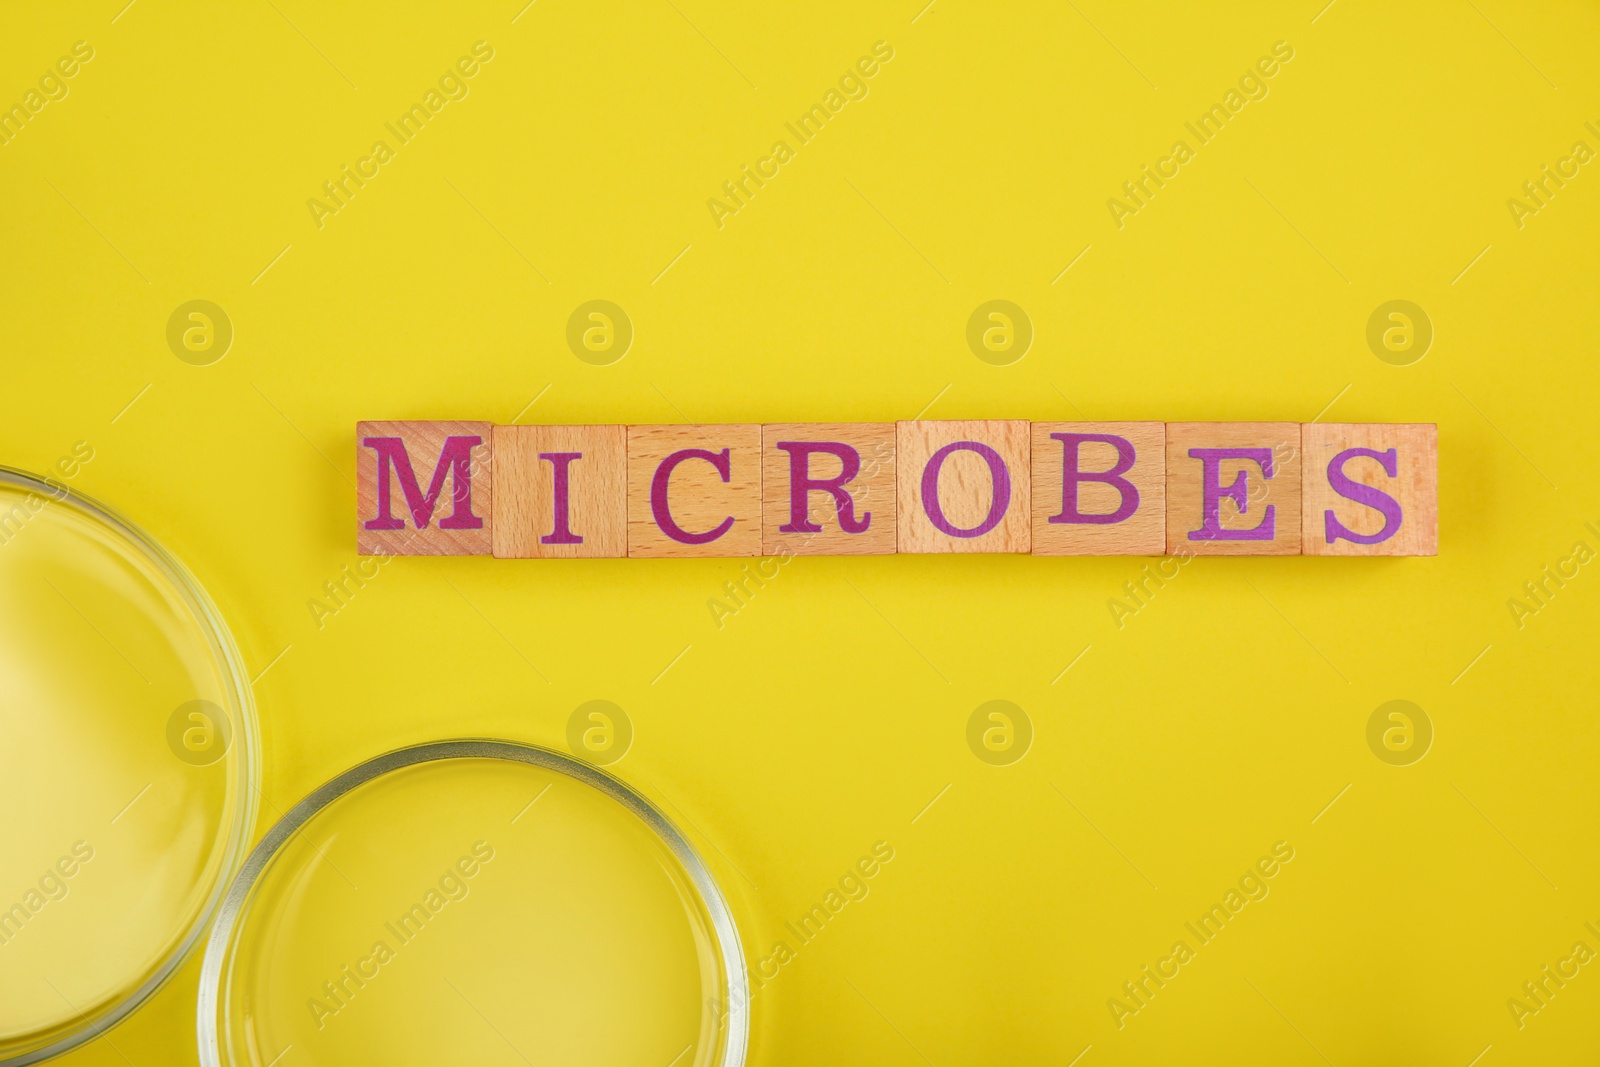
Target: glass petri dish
x=128, y=766
x=474, y=901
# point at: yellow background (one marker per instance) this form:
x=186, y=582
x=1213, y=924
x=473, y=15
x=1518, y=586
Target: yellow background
x=824, y=716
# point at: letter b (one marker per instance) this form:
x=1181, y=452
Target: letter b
x=1071, y=475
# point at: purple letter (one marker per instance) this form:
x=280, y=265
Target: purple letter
x=1377, y=499
x=1071, y=476
x=997, y=506
x=561, y=533
x=802, y=485
x=454, y=459
x=663, y=511
x=1213, y=491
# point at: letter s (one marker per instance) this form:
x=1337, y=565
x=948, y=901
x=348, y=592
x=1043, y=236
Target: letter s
x=1377, y=499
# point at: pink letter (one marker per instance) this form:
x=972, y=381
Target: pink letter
x=1071, y=476
x=1211, y=528
x=663, y=511
x=454, y=458
x=1377, y=499
x=802, y=485
x=997, y=506
x=560, y=533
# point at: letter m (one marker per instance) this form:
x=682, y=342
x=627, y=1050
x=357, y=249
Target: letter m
x=11, y=523
x=18, y=117
x=1218, y=116
x=818, y=116
x=1218, y=916
x=818, y=916
x=394, y=463
x=12, y=922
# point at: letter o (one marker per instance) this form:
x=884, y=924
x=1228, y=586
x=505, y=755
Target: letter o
x=997, y=506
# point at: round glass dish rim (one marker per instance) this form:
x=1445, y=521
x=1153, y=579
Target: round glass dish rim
x=730, y=949
x=241, y=695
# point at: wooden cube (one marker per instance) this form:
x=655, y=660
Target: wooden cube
x=963, y=486
x=694, y=490
x=1370, y=489
x=1233, y=488
x=1099, y=488
x=828, y=488
x=423, y=488
x=560, y=492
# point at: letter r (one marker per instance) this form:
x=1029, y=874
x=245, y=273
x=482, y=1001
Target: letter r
x=802, y=485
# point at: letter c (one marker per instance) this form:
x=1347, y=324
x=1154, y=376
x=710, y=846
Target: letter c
x=662, y=510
